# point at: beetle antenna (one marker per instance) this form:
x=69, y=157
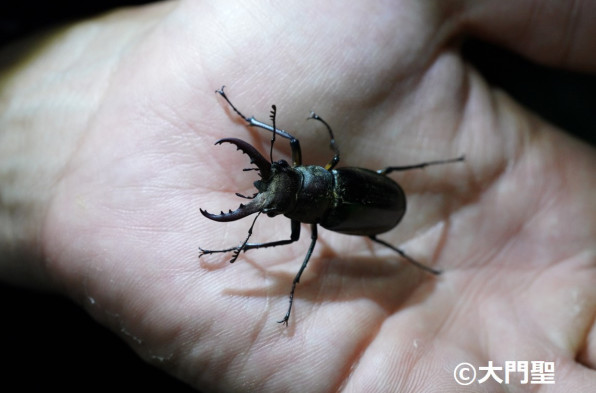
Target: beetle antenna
x=332, y=144
x=272, y=116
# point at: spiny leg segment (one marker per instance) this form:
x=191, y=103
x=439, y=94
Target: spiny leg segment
x=245, y=246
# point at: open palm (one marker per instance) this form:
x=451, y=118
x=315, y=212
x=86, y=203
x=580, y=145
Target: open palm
x=512, y=227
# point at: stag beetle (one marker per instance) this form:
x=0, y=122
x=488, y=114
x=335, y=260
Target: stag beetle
x=352, y=201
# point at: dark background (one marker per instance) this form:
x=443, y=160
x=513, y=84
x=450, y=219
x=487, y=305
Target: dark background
x=49, y=343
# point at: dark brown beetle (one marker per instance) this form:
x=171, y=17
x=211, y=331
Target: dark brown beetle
x=352, y=201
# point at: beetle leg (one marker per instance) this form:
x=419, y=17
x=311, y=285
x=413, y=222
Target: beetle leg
x=313, y=241
x=252, y=121
x=389, y=169
x=406, y=256
x=243, y=245
x=332, y=145
x=237, y=250
x=294, y=236
x=294, y=143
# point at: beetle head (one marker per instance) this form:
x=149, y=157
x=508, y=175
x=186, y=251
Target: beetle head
x=278, y=183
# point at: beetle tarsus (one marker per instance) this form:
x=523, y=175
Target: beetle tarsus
x=236, y=252
x=207, y=252
x=225, y=97
x=285, y=320
x=235, y=256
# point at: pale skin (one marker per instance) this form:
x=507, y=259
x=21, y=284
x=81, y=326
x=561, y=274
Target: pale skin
x=106, y=155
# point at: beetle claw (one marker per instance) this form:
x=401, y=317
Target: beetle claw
x=256, y=158
x=247, y=197
x=264, y=168
x=233, y=215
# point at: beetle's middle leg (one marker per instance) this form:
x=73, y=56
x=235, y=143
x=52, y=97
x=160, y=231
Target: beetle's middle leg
x=406, y=256
x=245, y=246
x=313, y=241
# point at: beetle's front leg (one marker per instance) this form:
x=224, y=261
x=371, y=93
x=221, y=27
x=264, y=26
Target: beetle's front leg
x=245, y=246
x=294, y=143
x=294, y=236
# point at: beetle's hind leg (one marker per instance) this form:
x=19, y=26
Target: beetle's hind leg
x=389, y=169
x=406, y=256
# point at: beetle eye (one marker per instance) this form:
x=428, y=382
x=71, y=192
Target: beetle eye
x=282, y=163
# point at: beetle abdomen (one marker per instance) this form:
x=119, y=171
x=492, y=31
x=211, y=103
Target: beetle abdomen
x=366, y=203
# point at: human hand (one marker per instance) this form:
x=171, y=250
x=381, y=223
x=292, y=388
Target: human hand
x=119, y=205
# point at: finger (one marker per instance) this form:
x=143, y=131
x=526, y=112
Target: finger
x=558, y=33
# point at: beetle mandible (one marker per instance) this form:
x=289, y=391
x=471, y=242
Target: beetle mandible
x=348, y=200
